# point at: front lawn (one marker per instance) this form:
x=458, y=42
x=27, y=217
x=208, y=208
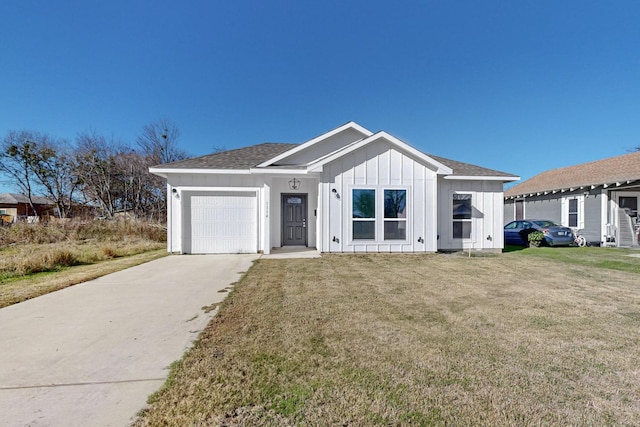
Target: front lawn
x=533, y=337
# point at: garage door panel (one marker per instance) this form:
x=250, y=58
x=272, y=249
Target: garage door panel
x=223, y=223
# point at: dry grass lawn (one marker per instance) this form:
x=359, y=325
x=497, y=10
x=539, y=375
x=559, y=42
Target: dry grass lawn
x=18, y=290
x=536, y=337
x=36, y=259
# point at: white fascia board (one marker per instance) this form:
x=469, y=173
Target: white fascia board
x=440, y=168
x=483, y=178
x=159, y=172
x=269, y=171
x=219, y=189
x=350, y=125
x=165, y=172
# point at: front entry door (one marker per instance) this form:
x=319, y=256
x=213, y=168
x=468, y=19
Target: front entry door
x=294, y=220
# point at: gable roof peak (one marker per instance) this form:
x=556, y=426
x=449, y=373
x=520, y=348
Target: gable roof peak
x=349, y=126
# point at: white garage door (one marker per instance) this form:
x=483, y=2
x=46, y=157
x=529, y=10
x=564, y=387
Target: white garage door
x=223, y=223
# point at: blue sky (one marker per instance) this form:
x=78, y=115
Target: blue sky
x=518, y=86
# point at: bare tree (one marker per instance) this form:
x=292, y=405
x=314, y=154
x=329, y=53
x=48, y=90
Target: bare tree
x=53, y=168
x=159, y=141
x=158, y=144
x=99, y=176
x=37, y=163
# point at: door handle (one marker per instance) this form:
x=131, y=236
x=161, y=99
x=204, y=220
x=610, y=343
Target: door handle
x=304, y=223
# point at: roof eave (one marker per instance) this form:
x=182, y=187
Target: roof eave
x=483, y=178
x=546, y=191
x=279, y=171
x=163, y=172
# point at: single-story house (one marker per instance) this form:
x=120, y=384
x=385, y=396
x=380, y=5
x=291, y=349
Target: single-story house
x=14, y=207
x=600, y=198
x=347, y=190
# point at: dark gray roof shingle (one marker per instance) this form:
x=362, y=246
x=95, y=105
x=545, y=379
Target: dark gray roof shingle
x=467, y=169
x=248, y=157
x=240, y=158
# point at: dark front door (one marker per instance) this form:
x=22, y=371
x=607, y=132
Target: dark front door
x=294, y=220
x=630, y=204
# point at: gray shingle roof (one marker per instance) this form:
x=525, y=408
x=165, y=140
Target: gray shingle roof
x=14, y=199
x=248, y=157
x=467, y=169
x=240, y=158
x=607, y=171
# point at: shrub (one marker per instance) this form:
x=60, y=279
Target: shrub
x=109, y=252
x=536, y=238
x=60, y=258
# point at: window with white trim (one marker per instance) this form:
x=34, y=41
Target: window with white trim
x=461, y=212
x=363, y=215
x=573, y=211
x=379, y=214
x=395, y=214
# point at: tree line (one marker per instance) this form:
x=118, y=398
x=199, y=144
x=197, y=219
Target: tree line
x=94, y=171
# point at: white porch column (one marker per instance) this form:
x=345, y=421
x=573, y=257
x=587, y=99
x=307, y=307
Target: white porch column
x=265, y=217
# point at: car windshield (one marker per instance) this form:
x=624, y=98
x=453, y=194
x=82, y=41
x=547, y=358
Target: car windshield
x=545, y=223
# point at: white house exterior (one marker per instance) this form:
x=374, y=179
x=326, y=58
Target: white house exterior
x=348, y=190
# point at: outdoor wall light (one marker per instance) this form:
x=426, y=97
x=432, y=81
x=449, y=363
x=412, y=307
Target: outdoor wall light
x=294, y=184
x=335, y=193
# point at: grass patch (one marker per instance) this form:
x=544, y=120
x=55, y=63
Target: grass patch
x=15, y=289
x=605, y=258
x=428, y=340
x=39, y=258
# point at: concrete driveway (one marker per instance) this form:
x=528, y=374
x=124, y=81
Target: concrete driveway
x=91, y=354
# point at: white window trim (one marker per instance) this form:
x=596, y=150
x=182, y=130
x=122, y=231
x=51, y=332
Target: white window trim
x=380, y=219
x=352, y=219
x=565, y=210
x=471, y=220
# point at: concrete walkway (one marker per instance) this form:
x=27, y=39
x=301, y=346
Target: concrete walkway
x=91, y=354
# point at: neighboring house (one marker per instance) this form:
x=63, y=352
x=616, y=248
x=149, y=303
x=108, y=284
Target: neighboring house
x=16, y=207
x=600, y=198
x=348, y=190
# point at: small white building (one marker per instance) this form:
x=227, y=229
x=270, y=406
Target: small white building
x=348, y=190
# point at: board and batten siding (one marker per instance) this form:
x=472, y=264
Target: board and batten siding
x=328, y=145
x=377, y=166
x=487, y=222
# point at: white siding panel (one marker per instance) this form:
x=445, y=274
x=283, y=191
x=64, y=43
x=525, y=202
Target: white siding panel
x=395, y=174
x=381, y=167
